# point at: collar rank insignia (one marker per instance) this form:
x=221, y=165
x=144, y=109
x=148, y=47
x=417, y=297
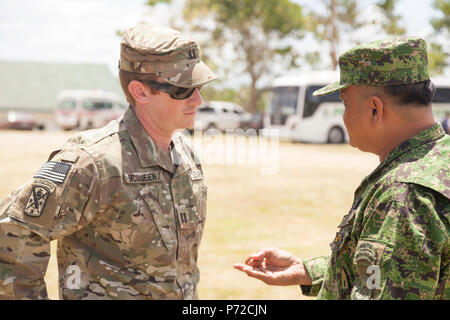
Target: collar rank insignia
x=53, y=171
x=36, y=201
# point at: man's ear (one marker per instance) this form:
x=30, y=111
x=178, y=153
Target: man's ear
x=140, y=93
x=377, y=109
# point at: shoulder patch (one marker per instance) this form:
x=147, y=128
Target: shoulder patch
x=36, y=201
x=365, y=251
x=53, y=171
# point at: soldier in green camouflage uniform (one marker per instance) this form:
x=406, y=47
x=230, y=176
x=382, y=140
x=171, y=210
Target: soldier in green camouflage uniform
x=394, y=241
x=128, y=213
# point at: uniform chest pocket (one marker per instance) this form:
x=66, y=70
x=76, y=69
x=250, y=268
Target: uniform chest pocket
x=200, y=195
x=164, y=229
x=187, y=225
x=191, y=213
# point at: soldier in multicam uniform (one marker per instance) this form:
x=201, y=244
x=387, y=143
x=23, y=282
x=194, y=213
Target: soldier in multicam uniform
x=126, y=202
x=394, y=242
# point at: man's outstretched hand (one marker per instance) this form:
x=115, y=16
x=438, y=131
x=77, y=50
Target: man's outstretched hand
x=275, y=267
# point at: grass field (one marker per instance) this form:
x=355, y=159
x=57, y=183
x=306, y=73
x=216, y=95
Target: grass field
x=296, y=209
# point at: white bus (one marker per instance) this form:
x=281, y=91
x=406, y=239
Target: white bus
x=301, y=117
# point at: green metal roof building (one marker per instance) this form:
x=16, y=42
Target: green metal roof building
x=34, y=86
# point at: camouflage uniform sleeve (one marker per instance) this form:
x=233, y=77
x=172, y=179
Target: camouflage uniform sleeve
x=316, y=268
x=54, y=203
x=403, y=250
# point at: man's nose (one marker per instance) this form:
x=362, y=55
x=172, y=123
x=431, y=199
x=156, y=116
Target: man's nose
x=195, y=99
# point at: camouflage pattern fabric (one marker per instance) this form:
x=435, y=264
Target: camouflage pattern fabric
x=392, y=61
x=394, y=242
x=171, y=55
x=128, y=219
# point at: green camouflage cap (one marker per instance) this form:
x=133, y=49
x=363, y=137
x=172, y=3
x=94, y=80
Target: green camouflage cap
x=392, y=61
x=165, y=52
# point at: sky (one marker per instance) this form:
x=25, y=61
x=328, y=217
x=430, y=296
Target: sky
x=84, y=31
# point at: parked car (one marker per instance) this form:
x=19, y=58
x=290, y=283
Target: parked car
x=18, y=120
x=219, y=115
x=87, y=109
x=252, y=121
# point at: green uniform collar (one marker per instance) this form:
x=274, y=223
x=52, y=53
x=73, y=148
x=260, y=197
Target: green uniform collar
x=423, y=137
x=426, y=136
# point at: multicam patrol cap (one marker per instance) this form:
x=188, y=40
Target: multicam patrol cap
x=165, y=52
x=392, y=61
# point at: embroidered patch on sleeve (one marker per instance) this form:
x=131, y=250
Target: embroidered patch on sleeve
x=36, y=201
x=53, y=171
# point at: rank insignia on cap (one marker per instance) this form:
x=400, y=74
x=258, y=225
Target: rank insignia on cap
x=53, y=171
x=36, y=201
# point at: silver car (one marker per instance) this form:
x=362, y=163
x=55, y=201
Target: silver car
x=220, y=115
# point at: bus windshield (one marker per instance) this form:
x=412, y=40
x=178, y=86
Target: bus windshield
x=96, y=105
x=283, y=103
x=312, y=102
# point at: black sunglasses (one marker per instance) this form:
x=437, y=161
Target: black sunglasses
x=177, y=93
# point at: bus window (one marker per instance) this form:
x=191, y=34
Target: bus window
x=442, y=95
x=96, y=105
x=312, y=102
x=67, y=104
x=283, y=104
x=284, y=97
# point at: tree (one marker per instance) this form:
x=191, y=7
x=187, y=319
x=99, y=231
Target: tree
x=437, y=58
x=442, y=23
x=258, y=31
x=390, y=23
x=342, y=17
x=437, y=53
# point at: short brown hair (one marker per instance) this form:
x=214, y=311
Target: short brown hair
x=126, y=77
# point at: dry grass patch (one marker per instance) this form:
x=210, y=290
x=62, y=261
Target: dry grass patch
x=297, y=209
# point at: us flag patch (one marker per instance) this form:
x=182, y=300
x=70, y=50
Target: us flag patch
x=53, y=171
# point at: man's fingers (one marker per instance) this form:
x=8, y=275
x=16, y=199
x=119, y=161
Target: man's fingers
x=254, y=273
x=239, y=266
x=255, y=258
x=249, y=260
x=264, y=253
